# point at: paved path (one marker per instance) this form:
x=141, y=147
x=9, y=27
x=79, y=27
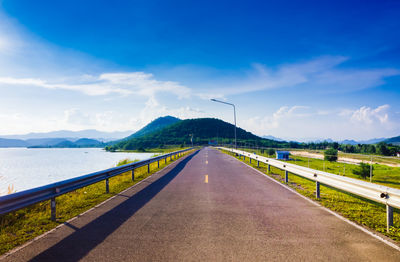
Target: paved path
x=207, y=207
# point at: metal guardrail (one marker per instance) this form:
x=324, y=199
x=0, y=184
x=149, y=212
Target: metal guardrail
x=378, y=193
x=15, y=201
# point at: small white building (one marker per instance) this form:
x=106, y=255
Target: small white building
x=398, y=154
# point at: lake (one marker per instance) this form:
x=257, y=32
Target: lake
x=25, y=168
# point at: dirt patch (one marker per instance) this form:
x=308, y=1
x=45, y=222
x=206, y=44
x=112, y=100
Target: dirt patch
x=346, y=160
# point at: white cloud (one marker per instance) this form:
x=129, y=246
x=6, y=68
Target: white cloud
x=299, y=122
x=138, y=83
x=321, y=74
x=368, y=115
x=264, y=125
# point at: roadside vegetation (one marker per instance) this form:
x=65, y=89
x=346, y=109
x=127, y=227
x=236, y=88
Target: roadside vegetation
x=359, y=210
x=159, y=150
x=330, y=154
x=23, y=225
x=385, y=160
x=382, y=174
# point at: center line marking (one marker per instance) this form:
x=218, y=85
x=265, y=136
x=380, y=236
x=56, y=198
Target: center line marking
x=206, y=179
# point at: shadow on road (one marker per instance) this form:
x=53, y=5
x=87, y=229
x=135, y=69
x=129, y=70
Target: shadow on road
x=78, y=244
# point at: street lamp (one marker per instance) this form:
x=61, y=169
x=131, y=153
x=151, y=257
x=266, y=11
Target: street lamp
x=234, y=114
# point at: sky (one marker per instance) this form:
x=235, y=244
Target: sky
x=297, y=70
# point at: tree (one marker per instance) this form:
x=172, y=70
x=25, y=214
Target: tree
x=271, y=152
x=382, y=149
x=363, y=170
x=330, y=154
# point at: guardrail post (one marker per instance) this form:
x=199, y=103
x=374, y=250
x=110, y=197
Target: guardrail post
x=269, y=168
x=250, y=159
x=148, y=168
x=286, y=176
x=107, y=186
x=133, y=174
x=258, y=163
x=158, y=163
x=317, y=190
x=389, y=217
x=165, y=160
x=53, y=208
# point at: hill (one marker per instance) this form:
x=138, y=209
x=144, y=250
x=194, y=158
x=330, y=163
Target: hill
x=273, y=138
x=12, y=143
x=393, y=140
x=204, y=131
x=45, y=142
x=87, y=142
x=155, y=125
x=83, y=142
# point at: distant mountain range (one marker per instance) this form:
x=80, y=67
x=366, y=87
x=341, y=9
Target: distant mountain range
x=73, y=135
x=84, y=138
x=161, y=131
x=392, y=140
x=273, y=138
x=62, y=138
x=370, y=141
x=50, y=143
x=83, y=142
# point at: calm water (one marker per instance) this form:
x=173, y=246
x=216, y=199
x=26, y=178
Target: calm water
x=27, y=168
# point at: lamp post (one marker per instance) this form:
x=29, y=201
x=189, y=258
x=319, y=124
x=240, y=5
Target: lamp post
x=234, y=114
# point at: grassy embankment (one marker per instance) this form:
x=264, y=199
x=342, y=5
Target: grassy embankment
x=359, y=210
x=20, y=226
x=163, y=150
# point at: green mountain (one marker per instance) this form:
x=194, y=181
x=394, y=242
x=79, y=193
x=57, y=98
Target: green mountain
x=88, y=142
x=204, y=130
x=155, y=125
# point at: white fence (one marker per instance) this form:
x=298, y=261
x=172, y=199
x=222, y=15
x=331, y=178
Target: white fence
x=381, y=194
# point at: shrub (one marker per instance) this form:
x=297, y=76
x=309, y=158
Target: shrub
x=330, y=154
x=271, y=152
x=363, y=170
x=141, y=149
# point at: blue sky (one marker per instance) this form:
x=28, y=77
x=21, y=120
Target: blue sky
x=294, y=69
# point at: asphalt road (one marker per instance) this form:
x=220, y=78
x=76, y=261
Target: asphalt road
x=207, y=207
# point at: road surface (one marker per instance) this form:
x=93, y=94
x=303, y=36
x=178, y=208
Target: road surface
x=207, y=207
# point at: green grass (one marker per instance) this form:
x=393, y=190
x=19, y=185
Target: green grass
x=376, y=158
x=20, y=226
x=164, y=150
x=382, y=174
x=361, y=211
